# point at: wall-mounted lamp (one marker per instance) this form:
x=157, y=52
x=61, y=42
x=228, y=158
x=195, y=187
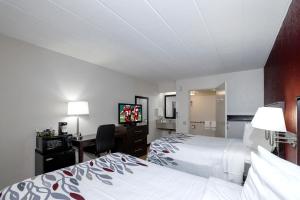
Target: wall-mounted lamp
x=272, y=121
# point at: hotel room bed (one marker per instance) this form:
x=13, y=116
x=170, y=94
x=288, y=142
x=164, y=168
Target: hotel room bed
x=119, y=176
x=201, y=155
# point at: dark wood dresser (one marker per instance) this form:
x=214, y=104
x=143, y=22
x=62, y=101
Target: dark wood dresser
x=137, y=140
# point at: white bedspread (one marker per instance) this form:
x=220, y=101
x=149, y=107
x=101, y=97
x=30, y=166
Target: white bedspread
x=217, y=189
x=154, y=182
x=201, y=155
x=120, y=177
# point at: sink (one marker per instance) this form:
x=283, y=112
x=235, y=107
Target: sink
x=166, y=124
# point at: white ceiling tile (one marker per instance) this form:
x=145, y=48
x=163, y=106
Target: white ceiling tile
x=197, y=40
x=82, y=41
x=145, y=21
x=260, y=37
x=151, y=39
x=110, y=27
x=225, y=24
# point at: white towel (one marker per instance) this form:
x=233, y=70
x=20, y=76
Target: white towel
x=213, y=124
x=234, y=159
x=207, y=124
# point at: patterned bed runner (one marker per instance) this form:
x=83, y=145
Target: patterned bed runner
x=161, y=148
x=65, y=183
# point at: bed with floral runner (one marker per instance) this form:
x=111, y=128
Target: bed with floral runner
x=118, y=176
x=201, y=155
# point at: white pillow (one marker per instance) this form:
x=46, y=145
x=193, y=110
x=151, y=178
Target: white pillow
x=255, y=137
x=267, y=182
x=287, y=168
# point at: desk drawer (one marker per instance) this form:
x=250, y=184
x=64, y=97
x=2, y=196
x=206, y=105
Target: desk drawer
x=89, y=143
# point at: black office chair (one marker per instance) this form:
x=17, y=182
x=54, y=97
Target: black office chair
x=105, y=140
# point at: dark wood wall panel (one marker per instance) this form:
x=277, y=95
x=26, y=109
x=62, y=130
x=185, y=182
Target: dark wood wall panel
x=282, y=71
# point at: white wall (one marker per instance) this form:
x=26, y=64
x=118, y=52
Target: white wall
x=35, y=85
x=245, y=93
x=167, y=86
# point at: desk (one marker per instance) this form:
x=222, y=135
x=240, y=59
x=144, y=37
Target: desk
x=87, y=140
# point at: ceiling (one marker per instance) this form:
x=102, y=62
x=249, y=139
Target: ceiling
x=151, y=39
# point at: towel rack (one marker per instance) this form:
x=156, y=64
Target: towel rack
x=197, y=122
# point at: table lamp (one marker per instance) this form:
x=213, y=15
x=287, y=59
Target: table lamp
x=77, y=108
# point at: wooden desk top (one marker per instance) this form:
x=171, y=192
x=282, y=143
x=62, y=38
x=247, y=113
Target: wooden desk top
x=86, y=137
x=119, y=132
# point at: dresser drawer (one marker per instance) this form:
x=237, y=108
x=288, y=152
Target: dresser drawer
x=139, y=152
x=143, y=129
x=137, y=140
x=140, y=147
x=140, y=143
x=138, y=135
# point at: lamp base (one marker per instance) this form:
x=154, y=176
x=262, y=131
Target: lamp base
x=78, y=134
x=79, y=137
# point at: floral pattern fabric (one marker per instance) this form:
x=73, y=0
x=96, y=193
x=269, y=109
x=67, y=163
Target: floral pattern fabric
x=65, y=184
x=160, y=149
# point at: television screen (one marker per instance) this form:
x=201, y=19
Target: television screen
x=130, y=113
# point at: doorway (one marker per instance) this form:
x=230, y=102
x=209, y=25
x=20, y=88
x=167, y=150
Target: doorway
x=208, y=112
x=221, y=111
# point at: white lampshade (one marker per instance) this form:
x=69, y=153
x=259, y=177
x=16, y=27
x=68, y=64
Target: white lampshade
x=270, y=119
x=78, y=108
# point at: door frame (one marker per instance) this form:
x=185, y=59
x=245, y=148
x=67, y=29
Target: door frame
x=225, y=109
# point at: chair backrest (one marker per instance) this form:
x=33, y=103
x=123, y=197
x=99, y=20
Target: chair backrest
x=105, y=138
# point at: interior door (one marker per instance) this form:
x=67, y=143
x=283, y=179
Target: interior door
x=221, y=111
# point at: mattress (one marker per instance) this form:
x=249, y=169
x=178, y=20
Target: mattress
x=201, y=155
x=118, y=176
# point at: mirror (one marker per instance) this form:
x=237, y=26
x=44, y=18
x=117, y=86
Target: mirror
x=170, y=106
x=144, y=101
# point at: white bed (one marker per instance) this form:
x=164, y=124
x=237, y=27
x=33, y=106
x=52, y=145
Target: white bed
x=119, y=176
x=122, y=177
x=208, y=156
x=201, y=155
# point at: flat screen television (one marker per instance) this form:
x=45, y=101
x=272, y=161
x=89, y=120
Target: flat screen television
x=130, y=113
